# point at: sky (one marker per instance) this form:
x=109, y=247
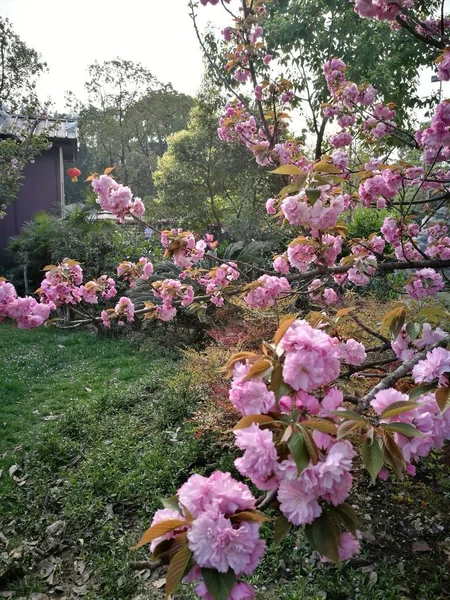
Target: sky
x=158, y=33
x=72, y=35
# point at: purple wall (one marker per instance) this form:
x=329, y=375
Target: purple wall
x=41, y=190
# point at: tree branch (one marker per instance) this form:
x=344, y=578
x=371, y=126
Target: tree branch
x=398, y=374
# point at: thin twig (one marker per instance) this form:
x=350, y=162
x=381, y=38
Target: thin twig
x=398, y=374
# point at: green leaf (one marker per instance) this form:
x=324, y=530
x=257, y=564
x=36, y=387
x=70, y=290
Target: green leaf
x=311, y=446
x=219, y=584
x=404, y=429
x=158, y=530
x=348, y=516
x=177, y=569
x=162, y=549
x=322, y=425
x=276, y=378
x=287, y=170
x=372, y=457
x=347, y=427
x=324, y=536
x=299, y=450
x=250, y=419
x=312, y=194
x=392, y=453
x=252, y=516
x=397, y=408
x=443, y=398
x=348, y=414
x=171, y=503
x=413, y=330
x=282, y=529
x=420, y=390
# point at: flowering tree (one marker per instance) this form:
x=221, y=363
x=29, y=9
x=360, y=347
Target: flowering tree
x=298, y=437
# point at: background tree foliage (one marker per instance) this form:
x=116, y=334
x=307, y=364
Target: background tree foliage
x=20, y=67
x=303, y=34
x=205, y=182
x=126, y=122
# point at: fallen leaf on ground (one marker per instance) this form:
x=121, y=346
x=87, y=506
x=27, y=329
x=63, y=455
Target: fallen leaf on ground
x=421, y=546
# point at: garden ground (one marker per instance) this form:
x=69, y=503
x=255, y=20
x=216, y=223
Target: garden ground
x=93, y=431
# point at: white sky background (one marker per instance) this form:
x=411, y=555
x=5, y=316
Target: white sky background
x=70, y=35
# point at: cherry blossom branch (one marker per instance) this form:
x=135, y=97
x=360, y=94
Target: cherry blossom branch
x=211, y=62
x=268, y=498
x=141, y=565
x=398, y=374
x=429, y=41
x=370, y=365
x=370, y=331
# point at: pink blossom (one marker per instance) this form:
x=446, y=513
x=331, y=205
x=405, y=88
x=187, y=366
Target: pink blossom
x=218, y=492
x=28, y=313
x=385, y=398
x=270, y=206
x=330, y=296
x=426, y=282
x=434, y=366
x=341, y=139
x=260, y=460
x=217, y=543
x=281, y=264
x=352, y=352
x=332, y=399
x=311, y=357
x=269, y=288
x=251, y=396
x=306, y=402
x=298, y=498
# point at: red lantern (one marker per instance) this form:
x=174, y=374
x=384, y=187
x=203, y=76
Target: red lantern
x=73, y=173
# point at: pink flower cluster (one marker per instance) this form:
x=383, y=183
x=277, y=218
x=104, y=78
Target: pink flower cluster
x=434, y=427
x=383, y=10
x=61, y=284
x=217, y=279
x=168, y=291
x=105, y=286
x=182, y=248
x=436, y=138
x=217, y=539
x=405, y=349
x=124, y=309
x=116, y=198
x=329, y=480
x=143, y=270
x=381, y=186
x=26, y=312
x=312, y=357
x=322, y=214
x=347, y=97
x=268, y=289
x=250, y=396
x=426, y=282
x=319, y=293
x=352, y=352
x=435, y=366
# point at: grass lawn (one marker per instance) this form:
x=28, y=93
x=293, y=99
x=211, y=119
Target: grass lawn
x=100, y=429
